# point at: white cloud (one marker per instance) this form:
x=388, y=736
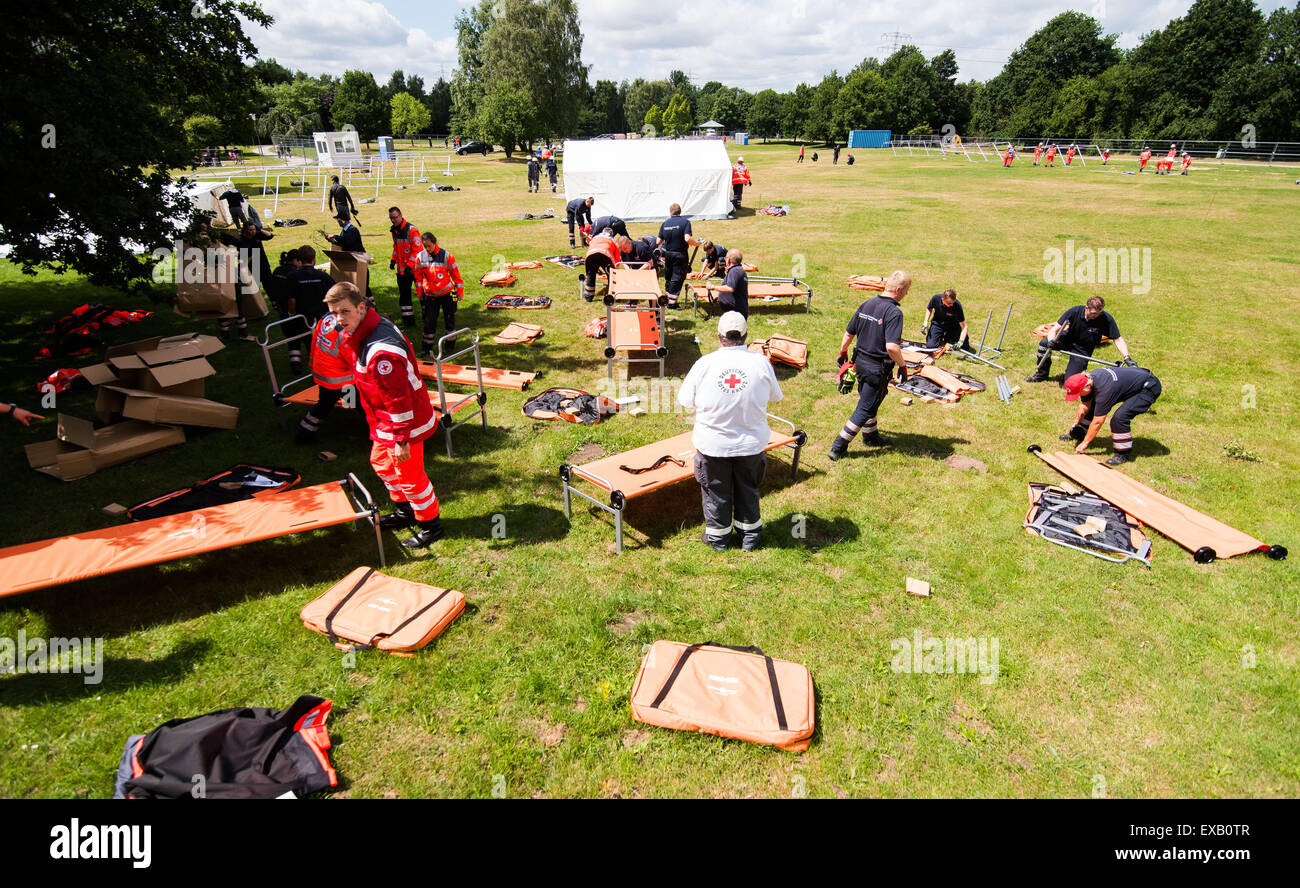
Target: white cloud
x=754, y=44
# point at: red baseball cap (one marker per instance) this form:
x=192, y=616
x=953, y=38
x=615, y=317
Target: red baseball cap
x=1074, y=385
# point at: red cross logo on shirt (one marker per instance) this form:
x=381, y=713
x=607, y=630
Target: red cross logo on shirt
x=732, y=381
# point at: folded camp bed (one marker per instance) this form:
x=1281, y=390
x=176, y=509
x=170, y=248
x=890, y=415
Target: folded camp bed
x=761, y=289
x=284, y=339
x=458, y=374
x=673, y=461
x=80, y=556
x=634, y=318
x=1062, y=517
x=1205, y=537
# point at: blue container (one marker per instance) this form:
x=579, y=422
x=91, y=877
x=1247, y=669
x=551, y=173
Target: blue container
x=869, y=138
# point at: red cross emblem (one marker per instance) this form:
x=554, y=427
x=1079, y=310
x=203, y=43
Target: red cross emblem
x=732, y=381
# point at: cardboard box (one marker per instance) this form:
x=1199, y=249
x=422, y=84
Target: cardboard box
x=208, y=290
x=80, y=449
x=351, y=267
x=176, y=365
x=165, y=408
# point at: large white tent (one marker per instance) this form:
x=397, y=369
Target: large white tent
x=637, y=179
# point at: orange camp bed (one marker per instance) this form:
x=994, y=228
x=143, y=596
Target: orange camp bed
x=457, y=374
x=635, y=330
x=1205, y=537
x=519, y=334
x=761, y=289
x=674, y=460
x=867, y=282
x=497, y=279
x=634, y=285
x=80, y=556
x=736, y=692
x=368, y=609
x=782, y=350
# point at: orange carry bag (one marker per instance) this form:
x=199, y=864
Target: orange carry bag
x=737, y=692
x=371, y=609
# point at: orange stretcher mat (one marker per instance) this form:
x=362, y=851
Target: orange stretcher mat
x=458, y=374
x=525, y=263
x=497, y=279
x=634, y=330
x=727, y=692
x=141, y=543
x=370, y=609
x=782, y=350
x=518, y=334
x=1206, y=537
x=634, y=283
x=867, y=282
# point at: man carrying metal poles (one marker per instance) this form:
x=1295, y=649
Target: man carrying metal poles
x=1077, y=333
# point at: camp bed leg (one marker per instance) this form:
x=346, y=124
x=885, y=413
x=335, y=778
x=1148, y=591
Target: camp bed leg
x=369, y=511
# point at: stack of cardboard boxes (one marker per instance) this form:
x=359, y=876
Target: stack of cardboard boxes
x=147, y=390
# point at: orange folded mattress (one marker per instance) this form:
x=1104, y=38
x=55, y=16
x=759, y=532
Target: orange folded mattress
x=727, y=692
x=497, y=279
x=97, y=552
x=518, y=334
x=782, y=350
x=492, y=378
x=867, y=282
x=371, y=609
x=1206, y=537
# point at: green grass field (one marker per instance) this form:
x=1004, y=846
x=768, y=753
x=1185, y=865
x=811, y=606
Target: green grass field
x=1177, y=681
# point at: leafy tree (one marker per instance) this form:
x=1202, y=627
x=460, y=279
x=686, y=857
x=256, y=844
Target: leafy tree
x=506, y=116
x=821, y=122
x=203, y=131
x=794, y=121
x=409, y=116
x=396, y=83
x=468, y=84
x=438, y=101
x=764, y=118
x=99, y=93
x=607, y=106
x=863, y=101
x=270, y=72
x=359, y=101
x=294, y=109
x=678, y=119
x=641, y=94
x=654, y=121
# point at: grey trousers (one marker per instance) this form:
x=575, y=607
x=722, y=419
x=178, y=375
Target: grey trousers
x=729, y=488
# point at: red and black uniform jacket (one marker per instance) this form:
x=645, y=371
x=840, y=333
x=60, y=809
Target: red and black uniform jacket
x=393, y=395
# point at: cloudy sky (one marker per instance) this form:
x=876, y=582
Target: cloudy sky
x=754, y=44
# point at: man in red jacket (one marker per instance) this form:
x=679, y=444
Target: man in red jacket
x=438, y=281
x=397, y=409
x=406, y=246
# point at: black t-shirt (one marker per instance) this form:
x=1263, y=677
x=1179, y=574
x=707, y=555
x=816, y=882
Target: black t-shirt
x=1111, y=385
x=876, y=322
x=717, y=259
x=643, y=248
x=738, y=300
x=615, y=224
x=340, y=198
x=948, y=319
x=1085, y=335
x=533, y=168
x=308, y=286
x=673, y=233
x=550, y=166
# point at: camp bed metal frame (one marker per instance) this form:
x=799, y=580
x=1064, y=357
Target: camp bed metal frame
x=449, y=408
x=266, y=344
x=182, y=527
x=805, y=288
x=1049, y=526
x=985, y=351
x=618, y=498
x=632, y=293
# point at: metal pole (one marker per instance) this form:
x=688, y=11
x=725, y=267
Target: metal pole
x=276, y=206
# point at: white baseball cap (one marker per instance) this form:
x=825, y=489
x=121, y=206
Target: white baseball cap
x=732, y=322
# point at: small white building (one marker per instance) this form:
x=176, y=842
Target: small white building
x=341, y=149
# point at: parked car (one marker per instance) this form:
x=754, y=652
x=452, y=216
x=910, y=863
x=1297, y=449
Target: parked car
x=474, y=147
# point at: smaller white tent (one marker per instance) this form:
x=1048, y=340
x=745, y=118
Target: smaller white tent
x=637, y=179
x=340, y=149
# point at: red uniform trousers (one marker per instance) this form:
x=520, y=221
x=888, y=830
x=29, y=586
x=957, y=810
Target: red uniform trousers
x=407, y=482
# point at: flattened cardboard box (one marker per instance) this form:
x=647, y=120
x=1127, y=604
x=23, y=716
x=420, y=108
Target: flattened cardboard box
x=351, y=267
x=165, y=408
x=80, y=449
x=176, y=365
x=224, y=290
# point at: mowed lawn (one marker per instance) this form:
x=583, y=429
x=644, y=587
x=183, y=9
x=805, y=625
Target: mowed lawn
x=1175, y=681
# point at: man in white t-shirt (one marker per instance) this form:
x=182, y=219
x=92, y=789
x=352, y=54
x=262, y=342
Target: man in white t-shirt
x=729, y=390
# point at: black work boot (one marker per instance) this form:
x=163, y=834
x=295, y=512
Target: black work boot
x=401, y=516
x=1119, y=459
x=429, y=533
x=1036, y=377
x=838, y=449
x=875, y=439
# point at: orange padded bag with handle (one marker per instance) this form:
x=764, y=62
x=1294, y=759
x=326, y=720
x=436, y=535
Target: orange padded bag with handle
x=370, y=609
x=737, y=692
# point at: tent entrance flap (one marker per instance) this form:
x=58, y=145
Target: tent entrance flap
x=1207, y=538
